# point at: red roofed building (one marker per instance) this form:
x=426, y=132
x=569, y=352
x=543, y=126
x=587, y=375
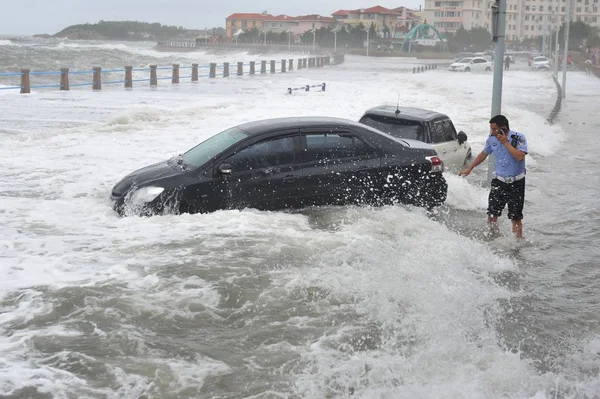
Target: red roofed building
x=280, y=23
x=245, y=21
x=379, y=16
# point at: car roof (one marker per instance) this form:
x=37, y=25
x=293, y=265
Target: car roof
x=409, y=113
x=259, y=127
x=267, y=125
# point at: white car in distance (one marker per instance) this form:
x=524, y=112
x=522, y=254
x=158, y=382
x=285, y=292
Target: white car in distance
x=472, y=64
x=540, y=63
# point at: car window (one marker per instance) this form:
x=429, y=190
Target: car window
x=465, y=60
x=213, y=146
x=479, y=61
x=323, y=146
x=449, y=131
x=437, y=133
x=397, y=127
x=264, y=154
x=361, y=148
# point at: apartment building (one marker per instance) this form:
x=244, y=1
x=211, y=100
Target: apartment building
x=537, y=16
x=449, y=15
x=525, y=19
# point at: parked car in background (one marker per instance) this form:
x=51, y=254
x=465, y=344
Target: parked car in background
x=424, y=125
x=540, y=63
x=287, y=163
x=474, y=64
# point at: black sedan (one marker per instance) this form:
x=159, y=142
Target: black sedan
x=287, y=163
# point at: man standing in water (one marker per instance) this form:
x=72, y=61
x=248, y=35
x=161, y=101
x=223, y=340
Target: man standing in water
x=508, y=186
x=507, y=63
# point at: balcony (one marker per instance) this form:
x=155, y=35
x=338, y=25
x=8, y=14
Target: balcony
x=449, y=19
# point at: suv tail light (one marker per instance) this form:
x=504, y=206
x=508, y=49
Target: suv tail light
x=436, y=164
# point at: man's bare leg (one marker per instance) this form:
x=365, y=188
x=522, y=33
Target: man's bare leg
x=493, y=224
x=517, y=228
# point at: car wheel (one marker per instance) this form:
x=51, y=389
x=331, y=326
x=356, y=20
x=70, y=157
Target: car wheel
x=467, y=69
x=488, y=69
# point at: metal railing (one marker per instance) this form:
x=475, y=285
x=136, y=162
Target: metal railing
x=151, y=74
x=256, y=46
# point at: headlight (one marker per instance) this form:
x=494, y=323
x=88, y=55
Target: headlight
x=146, y=194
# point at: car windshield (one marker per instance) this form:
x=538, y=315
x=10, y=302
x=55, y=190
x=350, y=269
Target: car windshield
x=538, y=59
x=400, y=128
x=212, y=147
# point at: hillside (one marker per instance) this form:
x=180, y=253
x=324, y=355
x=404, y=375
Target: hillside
x=127, y=30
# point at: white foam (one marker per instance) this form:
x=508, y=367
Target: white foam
x=426, y=294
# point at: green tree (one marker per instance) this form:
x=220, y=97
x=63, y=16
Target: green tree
x=578, y=32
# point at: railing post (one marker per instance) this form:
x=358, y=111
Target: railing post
x=194, y=72
x=153, y=77
x=175, y=77
x=240, y=68
x=252, y=67
x=283, y=66
x=225, y=69
x=213, y=70
x=263, y=67
x=97, y=82
x=272, y=66
x=25, y=82
x=128, y=77
x=291, y=64
x=64, y=79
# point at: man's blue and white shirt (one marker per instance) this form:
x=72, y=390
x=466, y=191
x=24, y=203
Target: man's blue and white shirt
x=506, y=164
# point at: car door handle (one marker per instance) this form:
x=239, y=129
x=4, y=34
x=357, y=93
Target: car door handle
x=456, y=149
x=289, y=179
x=362, y=167
x=443, y=151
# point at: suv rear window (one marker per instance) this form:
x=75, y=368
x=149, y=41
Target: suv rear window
x=400, y=128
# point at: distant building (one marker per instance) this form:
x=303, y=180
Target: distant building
x=449, y=16
x=525, y=19
x=396, y=20
x=378, y=16
x=244, y=21
x=276, y=23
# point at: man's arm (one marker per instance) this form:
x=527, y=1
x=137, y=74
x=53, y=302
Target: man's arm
x=478, y=159
x=516, y=153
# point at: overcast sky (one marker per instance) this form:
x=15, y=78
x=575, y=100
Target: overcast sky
x=25, y=17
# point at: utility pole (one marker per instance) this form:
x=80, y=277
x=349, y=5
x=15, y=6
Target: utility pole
x=367, y=30
x=334, y=41
x=566, y=51
x=498, y=32
x=556, y=45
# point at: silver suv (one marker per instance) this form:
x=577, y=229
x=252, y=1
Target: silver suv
x=424, y=125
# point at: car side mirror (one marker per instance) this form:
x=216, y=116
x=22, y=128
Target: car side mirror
x=462, y=137
x=225, y=169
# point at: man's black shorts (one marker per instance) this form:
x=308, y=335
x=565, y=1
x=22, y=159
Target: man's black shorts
x=512, y=194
